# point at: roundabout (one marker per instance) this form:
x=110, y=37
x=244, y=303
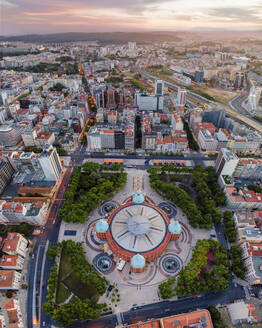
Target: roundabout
x=103, y=263
x=169, y=209
x=171, y=264
x=108, y=207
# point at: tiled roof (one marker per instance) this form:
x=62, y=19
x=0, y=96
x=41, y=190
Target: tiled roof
x=11, y=242
x=9, y=305
x=6, y=278
x=8, y=260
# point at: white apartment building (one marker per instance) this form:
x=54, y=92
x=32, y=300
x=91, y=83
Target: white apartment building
x=50, y=163
x=207, y=141
x=181, y=97
x=226, y=162
x=254, y=105
x=94, y=139
x=247, y=256
x=176, y=122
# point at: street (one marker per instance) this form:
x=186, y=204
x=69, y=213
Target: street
x=38, y=272
x=167, y=308
x=39, y=268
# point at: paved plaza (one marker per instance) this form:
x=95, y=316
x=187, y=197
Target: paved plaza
x=134, y=288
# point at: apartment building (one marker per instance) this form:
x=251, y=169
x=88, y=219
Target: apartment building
x=15, y=244
x=10, y=135
x=12, y=262
x=6, y=172
x=252, y=256
x=239, y=199
x=9, y=280
x=25, y=210
x=50, y=163
x=206, y=141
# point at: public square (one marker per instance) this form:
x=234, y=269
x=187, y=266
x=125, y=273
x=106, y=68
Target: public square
x=135, y=289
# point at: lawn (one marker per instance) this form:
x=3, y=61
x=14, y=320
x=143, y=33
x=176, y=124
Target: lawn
x=64, y=270
x=62, y=293
x=74, y=283
x=69, y=281
x=65, y=267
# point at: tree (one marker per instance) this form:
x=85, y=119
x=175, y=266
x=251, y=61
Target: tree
x=192, y=279
x=238, y=264
x=166, y=289
x=34, y=149
x=57, y=87
x=255, y=188
x=75, y=309
x=191, y=141
x=54, y=251
x=230, y=227
x=216, y=317
x=61, y=151
x=9, y=294
x=88, y=186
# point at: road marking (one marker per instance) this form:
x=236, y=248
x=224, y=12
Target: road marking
x=34, y=314
x=41, y=281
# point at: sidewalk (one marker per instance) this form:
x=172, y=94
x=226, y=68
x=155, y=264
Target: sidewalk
x=22, y=293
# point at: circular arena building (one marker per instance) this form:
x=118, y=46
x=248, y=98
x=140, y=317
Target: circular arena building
x=138, y=230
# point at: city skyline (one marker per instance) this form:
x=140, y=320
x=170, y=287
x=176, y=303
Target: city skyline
x=30, y=17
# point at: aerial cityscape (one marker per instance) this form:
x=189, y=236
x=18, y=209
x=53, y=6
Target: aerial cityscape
x=130, y=164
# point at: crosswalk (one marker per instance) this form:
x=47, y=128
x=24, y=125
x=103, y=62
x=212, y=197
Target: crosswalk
x=138, y=183
x=119, y=317
x=247, y=292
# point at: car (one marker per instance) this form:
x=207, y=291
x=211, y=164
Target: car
x=110, y=287
x=194, y=297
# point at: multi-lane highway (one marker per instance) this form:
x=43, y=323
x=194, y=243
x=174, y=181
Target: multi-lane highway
x=235, y=109
x=39, y=265
x=168, y=308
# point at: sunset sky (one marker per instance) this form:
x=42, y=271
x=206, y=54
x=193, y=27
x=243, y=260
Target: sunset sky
x=53, y=16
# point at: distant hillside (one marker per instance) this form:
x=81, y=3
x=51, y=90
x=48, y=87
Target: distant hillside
x=113, y=37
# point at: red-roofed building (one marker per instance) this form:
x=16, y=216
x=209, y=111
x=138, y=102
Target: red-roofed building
x=9, y=279
x=249, y=254
x=45, y=137
x=9, y=304
x=12, y=262
x=204, y=126
x=177, y=123
x=197, y=319
x=243, y=198
x=15, y=244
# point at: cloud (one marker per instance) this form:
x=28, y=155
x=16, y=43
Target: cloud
x=26, y=16
x=234, y=14
x=128, y=6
